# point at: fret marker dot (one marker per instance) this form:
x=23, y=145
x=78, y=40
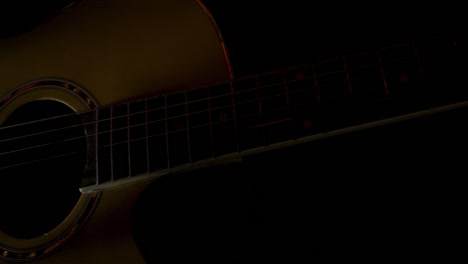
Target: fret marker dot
x=307, y=123
x=223, y=116
x=403, y=77
x=300, y=76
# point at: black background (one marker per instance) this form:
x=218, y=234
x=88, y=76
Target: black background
x=270, y=34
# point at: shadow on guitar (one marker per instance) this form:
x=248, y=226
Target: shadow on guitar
x=384, y=193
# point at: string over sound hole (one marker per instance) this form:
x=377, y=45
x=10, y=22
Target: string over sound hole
x=43, y=156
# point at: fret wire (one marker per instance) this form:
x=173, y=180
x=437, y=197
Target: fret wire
x=234, y=116
x=260, y=110
x=350, y=88
x=382, y=74
x=257, y=91
x=187, y=128
x=166, y=123
x=128, y=141
x=317, y=89
x=147, y=137
x=97, y=145
x=210, y=116
x=111, y=142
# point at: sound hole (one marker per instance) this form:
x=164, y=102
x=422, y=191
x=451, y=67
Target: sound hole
x=43, y=155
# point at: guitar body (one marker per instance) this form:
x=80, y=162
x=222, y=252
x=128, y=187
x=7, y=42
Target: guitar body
x=108, y=46
x=94, y=54
x=102, y=103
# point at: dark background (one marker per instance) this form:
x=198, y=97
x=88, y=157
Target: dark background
x=271, y=34
x=386, y=194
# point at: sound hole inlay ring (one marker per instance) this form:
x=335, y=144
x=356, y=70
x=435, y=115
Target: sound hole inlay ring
x=14, y=245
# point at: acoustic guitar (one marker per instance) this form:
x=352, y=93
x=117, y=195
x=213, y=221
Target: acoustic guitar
x=104, y=98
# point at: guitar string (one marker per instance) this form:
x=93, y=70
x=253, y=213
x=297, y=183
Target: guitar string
x=104, y=132
x=256, y=100
x=227, y=84
x=144, y=137
x=149, y=136
x=291, y=69
x=211, y=98
x=184, y=115
x=133, y=140
x=122, y=142
x=335, y=59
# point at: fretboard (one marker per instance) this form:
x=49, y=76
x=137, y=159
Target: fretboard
x=167, y=131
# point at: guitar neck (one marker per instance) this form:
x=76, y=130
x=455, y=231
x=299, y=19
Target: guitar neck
x=173, y=130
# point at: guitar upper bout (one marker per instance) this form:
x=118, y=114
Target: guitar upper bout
x=94, y=53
